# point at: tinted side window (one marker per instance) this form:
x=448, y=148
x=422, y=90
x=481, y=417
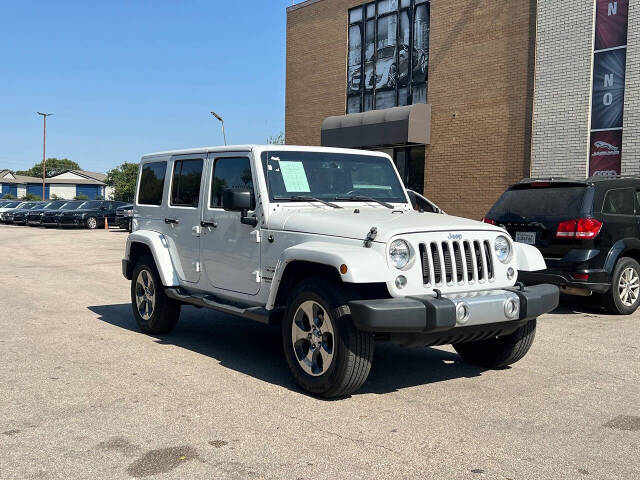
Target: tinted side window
x=229, y=173
x=619, y=202
x=185, y=187
x=152, y=183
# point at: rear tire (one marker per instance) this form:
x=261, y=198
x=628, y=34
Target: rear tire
x=327, y=355
x=92, y=223
x=155, y=313
x=499, y=352
x=623, y=297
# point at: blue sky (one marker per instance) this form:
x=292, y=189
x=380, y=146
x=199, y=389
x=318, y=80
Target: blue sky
x=125, y=78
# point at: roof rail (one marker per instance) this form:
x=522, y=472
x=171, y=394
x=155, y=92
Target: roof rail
x=553, y=179
x=612, y=177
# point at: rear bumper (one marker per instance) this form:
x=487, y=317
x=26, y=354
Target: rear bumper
x=427, y=314
x=599, y=279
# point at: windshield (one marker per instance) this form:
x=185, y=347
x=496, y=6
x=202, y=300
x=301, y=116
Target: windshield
x=523, y=204
x=27, y=206
x=54, y=206
x=71, y=205
x=91, y=205
x=330, y=176
x=11, y=205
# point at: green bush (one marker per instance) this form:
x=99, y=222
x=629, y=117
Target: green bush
x=82, y=196
x=30, y=197
x=8, y=196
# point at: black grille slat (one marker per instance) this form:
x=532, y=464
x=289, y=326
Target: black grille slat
x=469, y=260
x=477, y=251
x=448, y=267
x=487, y=256
x=437, y=268
x=457, y=254
x=424, y=256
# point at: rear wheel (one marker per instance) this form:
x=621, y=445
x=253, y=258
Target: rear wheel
x=155, y=313
x=623, y=297
x=92, y=223
x=499, y=352
x=326, y=353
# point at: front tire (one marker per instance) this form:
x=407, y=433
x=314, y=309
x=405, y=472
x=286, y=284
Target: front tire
x=623, y=297
x=155, y=313
x=92, y=223
x=499, y=352
x=327, y=355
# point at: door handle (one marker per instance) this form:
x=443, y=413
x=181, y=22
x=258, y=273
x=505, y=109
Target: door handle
x=206, y=223
x=175, y=221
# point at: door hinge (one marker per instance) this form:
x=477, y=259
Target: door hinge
x=197, y=266
x=196, y=230
x=257, y=234
x=257, y=275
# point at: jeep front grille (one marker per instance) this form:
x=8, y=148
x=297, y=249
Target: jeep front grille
x=467, y=261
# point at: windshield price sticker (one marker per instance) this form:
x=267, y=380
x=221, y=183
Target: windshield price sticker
x=294, y=176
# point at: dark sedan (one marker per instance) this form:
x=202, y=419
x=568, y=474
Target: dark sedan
x=34, y=216
x=51, y=218
x=17, y=215
x=91, y=214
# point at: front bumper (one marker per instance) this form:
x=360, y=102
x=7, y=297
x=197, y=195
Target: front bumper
x=428, y=314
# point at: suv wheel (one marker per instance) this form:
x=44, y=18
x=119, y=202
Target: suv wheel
x=326, y=353
x=624, y=295
x=154, y=312
x=501, y=351
x=92, y=223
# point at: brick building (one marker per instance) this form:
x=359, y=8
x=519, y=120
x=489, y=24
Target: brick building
x=508, y=87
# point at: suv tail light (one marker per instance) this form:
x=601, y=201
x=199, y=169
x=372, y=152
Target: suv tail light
x=582, y=228
x=488, y=220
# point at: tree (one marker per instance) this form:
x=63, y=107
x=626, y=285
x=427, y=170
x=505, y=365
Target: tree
x=55, y=166
x=123, y=181
x=276, y=139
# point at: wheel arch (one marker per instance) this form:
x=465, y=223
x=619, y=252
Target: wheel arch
x=626, y=247
x=141, y=243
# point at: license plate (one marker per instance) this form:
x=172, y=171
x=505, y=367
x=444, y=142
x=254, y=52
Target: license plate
x=526, y=237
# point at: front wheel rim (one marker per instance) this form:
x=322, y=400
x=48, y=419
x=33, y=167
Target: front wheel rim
x=145, y=294
x=312, y=338
x=92, y=223
x=629, y=286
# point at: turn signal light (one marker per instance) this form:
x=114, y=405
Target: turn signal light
x=488, y=220
x=582, y=229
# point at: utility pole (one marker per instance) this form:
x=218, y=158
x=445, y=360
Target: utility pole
x=44, y=150
x=219, y=118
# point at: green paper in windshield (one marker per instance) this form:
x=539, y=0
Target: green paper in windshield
x=294, y=176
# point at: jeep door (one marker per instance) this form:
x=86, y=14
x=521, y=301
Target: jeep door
x=182, y=214
x=229, y=250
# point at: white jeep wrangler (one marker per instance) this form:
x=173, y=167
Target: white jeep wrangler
x=326, y=242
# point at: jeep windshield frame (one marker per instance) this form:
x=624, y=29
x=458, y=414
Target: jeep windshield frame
x=327, y=175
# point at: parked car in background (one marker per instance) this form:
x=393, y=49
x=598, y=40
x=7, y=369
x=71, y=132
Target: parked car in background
x=9, y=205
x=20, y=214
x=124, y=215
x=51, y=218
x=34, y=216
x=587, y=230
x=7, y=216
x=91, y=214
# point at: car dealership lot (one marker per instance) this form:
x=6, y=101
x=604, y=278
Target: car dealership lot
x=84, y=395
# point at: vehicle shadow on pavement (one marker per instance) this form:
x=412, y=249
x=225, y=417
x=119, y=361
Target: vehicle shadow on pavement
x=256, y=350
x=579, y=305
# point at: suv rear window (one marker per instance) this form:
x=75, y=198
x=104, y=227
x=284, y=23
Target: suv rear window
x=525, y=203
x=152, y=183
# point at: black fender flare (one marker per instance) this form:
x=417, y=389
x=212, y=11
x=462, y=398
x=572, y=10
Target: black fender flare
x=619, y=249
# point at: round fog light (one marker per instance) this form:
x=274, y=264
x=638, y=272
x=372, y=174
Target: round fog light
x=510, y=273
x=511, y=309
x=401, y=282
x=463, y=312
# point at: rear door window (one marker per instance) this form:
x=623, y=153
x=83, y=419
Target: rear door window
x=524, y=203
x=619, y=202
x=152, y=183
x=185, y=185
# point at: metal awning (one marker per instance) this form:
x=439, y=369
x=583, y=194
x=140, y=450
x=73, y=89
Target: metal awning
x=391, y=126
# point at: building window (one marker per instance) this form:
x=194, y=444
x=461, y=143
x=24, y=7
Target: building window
x=388, y=54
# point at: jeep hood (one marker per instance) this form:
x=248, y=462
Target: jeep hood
x=345, y=223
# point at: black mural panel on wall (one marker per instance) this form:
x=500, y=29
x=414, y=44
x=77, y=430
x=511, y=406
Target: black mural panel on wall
x=608, y=89
x=388, y=54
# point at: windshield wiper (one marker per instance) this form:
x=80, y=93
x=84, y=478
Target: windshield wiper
x=303, y=198
x=364, y=198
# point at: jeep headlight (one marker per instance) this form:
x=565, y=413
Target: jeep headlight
x=399, y=253
x=502, y=247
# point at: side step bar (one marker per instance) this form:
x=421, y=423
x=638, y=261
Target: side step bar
x=259, y=314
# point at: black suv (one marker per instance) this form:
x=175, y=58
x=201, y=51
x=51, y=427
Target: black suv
x=124, y=215
x=91, y=214
x=51, y=218
x=587, y=230
x=34, y=216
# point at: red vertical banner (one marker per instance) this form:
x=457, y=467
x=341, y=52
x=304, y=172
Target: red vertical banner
x=611, y=23
x=605, y=155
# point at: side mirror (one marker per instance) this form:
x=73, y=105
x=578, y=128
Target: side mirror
x=240, y=200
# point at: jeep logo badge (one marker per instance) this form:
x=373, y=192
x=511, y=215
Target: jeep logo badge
x=455, y=236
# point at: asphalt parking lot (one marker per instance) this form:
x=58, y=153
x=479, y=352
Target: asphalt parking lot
x=85, y=395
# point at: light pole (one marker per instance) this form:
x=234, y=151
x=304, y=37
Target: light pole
x=219, y=118
x=44, y=150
